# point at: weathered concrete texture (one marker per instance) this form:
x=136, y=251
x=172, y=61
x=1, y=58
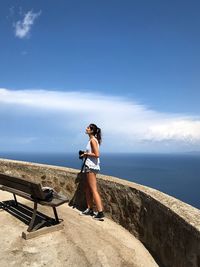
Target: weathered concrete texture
x=83, y=242
x=167, y=226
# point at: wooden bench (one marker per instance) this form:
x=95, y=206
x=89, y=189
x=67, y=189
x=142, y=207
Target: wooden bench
x=32, y=191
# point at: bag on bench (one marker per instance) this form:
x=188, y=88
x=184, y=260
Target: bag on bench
x=48, y=191
x=48, y=194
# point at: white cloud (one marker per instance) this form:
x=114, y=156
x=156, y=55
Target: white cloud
x=124, y=123
x=23, y=27
x=183, y=129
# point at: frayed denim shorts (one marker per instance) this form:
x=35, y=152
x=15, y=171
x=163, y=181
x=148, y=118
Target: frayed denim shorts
x=88, y=169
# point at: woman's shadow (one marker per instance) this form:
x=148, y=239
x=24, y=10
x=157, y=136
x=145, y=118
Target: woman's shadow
x=79, y=200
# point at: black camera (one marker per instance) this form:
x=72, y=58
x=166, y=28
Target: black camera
x=81, y=152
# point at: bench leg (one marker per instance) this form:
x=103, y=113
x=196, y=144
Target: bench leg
x=16, y=203
x=55, y=214
x=33, y=218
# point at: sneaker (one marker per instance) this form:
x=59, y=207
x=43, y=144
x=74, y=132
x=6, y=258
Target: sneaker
x=99, y=216
x=87, y=212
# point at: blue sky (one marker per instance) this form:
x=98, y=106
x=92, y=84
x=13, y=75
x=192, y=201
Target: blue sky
x=132, y=67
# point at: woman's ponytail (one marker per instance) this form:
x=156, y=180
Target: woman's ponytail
x=98, y=135
x=96, y=132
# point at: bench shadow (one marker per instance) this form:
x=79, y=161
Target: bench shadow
x=78, y=200
x=24, y=214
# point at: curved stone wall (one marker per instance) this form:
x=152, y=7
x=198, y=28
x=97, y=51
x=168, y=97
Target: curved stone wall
x=169, y=228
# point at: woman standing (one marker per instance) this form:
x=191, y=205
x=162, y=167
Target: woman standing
x=92, y=167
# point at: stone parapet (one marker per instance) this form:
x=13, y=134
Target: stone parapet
x=168, y=227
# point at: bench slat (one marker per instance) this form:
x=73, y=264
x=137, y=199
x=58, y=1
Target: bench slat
x=29, y=190
x=16, y=192
x=25, y=186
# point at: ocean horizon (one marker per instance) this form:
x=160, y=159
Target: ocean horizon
x=177, y=175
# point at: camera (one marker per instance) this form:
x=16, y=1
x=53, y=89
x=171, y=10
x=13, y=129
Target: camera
x=81, y=152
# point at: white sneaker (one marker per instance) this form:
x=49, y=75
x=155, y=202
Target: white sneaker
x=87, y=212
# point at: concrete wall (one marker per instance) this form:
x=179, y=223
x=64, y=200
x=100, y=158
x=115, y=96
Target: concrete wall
x=169, y=228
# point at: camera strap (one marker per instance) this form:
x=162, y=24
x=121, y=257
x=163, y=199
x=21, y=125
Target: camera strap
x=83, y=165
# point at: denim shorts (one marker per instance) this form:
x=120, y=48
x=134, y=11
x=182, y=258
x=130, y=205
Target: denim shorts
x=87, y=169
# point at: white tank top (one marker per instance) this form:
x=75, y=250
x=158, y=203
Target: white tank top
x=92, y=162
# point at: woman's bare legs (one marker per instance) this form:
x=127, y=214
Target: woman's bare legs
x=89, y=197
x=92, y=184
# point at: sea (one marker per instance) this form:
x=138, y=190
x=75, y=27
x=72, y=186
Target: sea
x=177, y=175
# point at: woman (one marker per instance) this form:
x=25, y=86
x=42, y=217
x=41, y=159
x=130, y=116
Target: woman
x=92, y=167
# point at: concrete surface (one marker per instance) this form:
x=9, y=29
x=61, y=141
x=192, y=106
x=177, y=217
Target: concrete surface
x=82, y=242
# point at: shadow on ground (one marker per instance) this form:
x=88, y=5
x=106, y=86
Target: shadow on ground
x=24, y=214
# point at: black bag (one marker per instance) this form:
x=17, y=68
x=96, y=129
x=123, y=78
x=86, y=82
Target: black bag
x=48, y=192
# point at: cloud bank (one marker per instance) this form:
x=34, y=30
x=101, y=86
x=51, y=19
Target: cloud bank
x=126, y=125
x=23, y=27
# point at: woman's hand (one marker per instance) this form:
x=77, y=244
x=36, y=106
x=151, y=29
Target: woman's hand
x=85, y=154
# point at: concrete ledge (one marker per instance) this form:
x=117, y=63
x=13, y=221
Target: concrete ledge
x=169, y=228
